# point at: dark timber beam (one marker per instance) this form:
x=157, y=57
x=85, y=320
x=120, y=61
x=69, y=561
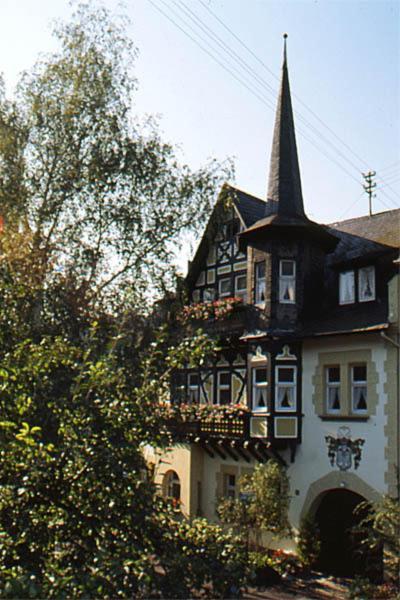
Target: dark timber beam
x=254, y=453
x=218, y=450
x=207, y=449
x=228, y=450
x=240, y=451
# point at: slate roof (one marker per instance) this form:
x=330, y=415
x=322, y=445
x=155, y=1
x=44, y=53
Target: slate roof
x=251, y=208
x=284, y=183
x=366, y=237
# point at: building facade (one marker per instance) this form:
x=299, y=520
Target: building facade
x=307, y=317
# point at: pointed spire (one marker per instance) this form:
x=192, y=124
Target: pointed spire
x=284, y=186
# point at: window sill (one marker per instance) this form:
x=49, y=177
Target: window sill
x=344, y=417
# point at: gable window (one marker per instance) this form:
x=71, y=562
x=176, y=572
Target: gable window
x=224, y=387
x=224, y=287
x=333, y=389
x=287, y=281
x=359, y=388
x=260, y=385
x=366, y=284
x=241, y=287
x=193, y=388
x=260, y=284
x=346, y=287
x=285, y=389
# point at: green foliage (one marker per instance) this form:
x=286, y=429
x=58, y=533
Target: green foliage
x=266, y=508
x=93, y=205
x=381, y=528
x=101, y=197
x=309, y=542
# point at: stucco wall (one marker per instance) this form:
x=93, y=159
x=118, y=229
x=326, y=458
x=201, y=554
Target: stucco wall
x=312, y=464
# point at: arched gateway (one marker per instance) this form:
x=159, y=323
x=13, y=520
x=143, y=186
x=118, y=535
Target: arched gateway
x=342, y=550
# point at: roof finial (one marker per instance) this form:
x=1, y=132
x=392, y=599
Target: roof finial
x=285, y=35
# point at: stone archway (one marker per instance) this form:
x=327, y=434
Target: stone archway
x=330, y=503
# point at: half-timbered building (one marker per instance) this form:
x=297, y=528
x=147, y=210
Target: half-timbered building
x=307, y=317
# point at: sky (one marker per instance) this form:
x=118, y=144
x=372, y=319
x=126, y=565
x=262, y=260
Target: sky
x=210, y=70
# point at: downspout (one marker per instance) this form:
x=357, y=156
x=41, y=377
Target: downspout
x=397, y=345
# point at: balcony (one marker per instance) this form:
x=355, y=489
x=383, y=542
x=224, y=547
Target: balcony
x=227, y=431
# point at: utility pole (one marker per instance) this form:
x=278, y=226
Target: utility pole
x=369, y=186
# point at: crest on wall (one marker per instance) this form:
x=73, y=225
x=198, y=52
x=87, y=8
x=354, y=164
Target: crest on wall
x=342, y=450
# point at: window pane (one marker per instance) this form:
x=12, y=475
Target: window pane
x=241, y=282
x=225, y=286
x=346, y=287
x=209, y=294
x=334, y=399
x=285, y=375
x=359, y=397
x=360, y=373
x=224, y=378
x=260, y=291
x=287, y=290
x=287, y=267
x=260, y=270
x=260, y=375
x=224, y=396
x=260, y=397
x=366, y=283
x=334, y=374
x=285, y=397
x=193, y=379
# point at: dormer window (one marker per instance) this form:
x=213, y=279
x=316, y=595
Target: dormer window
x=366, y=284
x=346, y=287
x=260, y=283
x=287, y=281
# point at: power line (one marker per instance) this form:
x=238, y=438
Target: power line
x=236, y=37
x=245, y=82
x=251, y=90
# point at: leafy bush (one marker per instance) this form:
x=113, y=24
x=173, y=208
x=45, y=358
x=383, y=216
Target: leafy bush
x=309, y=542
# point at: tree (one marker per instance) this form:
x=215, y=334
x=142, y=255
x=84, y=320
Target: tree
x=101, y=197
x=92, y=205
x=263, y=502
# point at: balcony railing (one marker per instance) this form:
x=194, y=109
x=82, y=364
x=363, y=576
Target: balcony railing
x=231, y=427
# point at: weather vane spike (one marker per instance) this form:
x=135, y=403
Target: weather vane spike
x=284, y=47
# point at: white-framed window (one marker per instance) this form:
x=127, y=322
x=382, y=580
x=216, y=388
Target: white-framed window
x=359, y=388
x=196, y=295
x=229, y=486
x=260, y=282
x=224, y=387
x=224, y=287
x=193, y=388
x=209, y=295
x=285, y=388
x=260, y=389
x=366, y=284
x=346, y=287
x=241, y=287
x=332, y=375
x=287, y=281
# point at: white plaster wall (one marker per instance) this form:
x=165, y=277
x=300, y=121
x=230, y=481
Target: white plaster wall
x=312, y=462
